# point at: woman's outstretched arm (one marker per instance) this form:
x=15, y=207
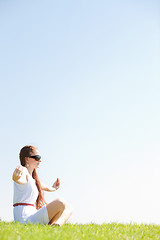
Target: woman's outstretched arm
x=55, y=186
x=20, y=175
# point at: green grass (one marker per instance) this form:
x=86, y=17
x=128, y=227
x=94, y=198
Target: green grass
x=11, y=231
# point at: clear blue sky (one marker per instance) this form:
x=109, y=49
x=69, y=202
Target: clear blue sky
x=81, y=81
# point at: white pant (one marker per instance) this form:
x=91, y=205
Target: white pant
x=29, y=214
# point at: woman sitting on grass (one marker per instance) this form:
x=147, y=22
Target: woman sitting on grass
x=28, y=202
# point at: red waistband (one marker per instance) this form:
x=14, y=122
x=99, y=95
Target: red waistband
x=23, y=204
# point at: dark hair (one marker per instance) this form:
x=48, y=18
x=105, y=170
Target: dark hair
x=27, y=151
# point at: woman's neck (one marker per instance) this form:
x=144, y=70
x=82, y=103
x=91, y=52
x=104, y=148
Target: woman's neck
x=30, y=170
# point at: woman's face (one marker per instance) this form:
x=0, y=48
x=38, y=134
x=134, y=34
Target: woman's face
x=31, y=161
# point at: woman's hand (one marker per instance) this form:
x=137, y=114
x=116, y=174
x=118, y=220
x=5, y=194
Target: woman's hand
x=18, y=171
x=19, y=175
x=56, y=185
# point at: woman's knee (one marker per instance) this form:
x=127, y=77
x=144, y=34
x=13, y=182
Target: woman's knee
x=55, y=207
x=61, y=202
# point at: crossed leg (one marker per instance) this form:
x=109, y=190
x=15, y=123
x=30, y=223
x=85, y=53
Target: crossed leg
x=58, y=212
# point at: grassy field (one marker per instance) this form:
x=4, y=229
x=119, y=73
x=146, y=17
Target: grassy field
x=11, y=231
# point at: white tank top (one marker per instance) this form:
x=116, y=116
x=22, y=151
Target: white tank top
x=25, y=193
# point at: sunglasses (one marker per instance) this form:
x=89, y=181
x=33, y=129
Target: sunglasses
x=36, y=157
